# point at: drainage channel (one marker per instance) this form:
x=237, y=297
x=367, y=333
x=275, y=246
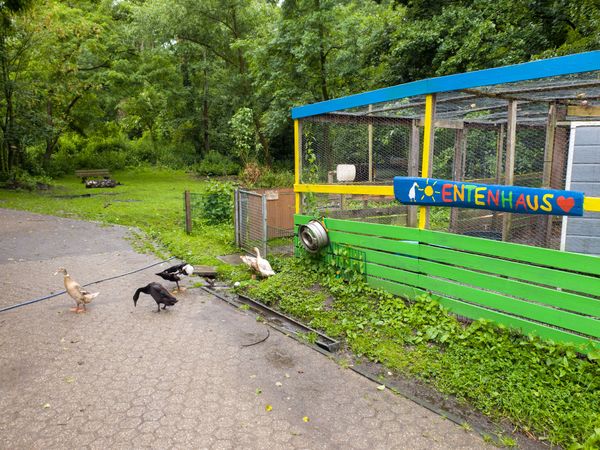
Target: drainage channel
x=281, y=321
x=324, y=344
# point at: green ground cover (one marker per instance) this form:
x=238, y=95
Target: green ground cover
x=149, y=199
x=545, y=389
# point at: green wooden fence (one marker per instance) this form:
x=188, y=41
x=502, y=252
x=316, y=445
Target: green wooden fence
x=553, y=294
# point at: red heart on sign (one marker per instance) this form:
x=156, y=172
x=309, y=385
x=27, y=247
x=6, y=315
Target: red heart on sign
x=566, y=204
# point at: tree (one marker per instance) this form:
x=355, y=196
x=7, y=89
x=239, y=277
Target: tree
x=15, y=45
x=77, y=45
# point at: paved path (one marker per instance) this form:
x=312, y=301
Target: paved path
x=125, y=377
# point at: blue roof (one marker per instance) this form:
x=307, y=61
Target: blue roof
x=564, y=65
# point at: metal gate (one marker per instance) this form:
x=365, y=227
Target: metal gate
x=264, y=218
x=250, y=220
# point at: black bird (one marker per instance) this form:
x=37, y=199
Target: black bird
x=158, y=293
x=175, y=273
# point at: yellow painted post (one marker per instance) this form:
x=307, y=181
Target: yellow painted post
x=297, y=162
x=428, y=134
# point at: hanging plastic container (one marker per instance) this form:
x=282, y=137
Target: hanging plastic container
x=313, y=236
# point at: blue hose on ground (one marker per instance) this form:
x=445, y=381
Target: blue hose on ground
x=29, y=302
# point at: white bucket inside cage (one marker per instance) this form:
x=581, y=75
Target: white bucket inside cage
x=345, y=172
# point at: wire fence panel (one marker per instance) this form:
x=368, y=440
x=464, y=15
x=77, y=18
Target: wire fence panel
x=513, y=133
x=250, y=226
x=265, y=219
x=364, y=208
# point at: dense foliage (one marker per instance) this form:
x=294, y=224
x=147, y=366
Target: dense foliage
x=106, y=83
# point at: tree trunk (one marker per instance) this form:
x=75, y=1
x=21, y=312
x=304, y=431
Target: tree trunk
x=322, y=57
x=50, y=142
x=205, y=121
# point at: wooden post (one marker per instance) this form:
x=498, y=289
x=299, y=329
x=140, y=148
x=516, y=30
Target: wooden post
x=413, y=168
x=458, y=169
x=236, y=219
x=428, y=138
x=545, y=230
x=499, y=153
x=188, y=212
x=509, y=167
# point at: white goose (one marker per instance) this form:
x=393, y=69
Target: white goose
x=263, y=266
x=258, y=264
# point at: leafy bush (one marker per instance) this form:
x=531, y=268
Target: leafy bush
x=271, y=178
x=217, y=203
x=255, y=176
x=21, y=180
x=216, y=164
x=243, y=133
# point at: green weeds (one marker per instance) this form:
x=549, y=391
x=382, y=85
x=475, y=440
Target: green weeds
x=543, y=387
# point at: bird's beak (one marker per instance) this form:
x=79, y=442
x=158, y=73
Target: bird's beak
x=135, y=303
x=56, y=273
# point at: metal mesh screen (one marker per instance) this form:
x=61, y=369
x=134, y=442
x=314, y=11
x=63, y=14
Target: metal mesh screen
x=379, y=147
x=365, y=208
x=265, y=219
x=250, y=221
x=512, y=133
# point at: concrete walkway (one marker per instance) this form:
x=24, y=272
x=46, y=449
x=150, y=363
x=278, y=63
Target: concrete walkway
x=125, y=377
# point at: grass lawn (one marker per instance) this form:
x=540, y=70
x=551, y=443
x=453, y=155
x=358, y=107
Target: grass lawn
x=546, y=389
x=149, y=199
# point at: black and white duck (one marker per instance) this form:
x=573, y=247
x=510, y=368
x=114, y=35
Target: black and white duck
x=176, y=272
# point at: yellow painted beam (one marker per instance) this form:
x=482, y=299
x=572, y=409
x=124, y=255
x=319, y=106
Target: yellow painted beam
x=350, y=189
x=591, y=204
x=297, y=162
x=427, y=144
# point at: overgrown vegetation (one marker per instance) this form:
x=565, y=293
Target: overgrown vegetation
x=547, y=389
x=217, y=203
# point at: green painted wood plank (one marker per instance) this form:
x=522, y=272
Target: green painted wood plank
x=562, y=319
x=535, y=274
x=552, y=297
x=541, y=256
x=410, y=248
x=476, y=312
x=300, y=219
x=526, y=272
x=466, y=309
x=374, y=229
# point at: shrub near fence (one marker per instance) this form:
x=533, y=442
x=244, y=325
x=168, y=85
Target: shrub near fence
x=553, y=294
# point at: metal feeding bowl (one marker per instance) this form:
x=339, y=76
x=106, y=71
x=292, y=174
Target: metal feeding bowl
x=313, y=236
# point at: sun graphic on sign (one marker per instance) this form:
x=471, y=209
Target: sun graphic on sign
x=429, y=191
